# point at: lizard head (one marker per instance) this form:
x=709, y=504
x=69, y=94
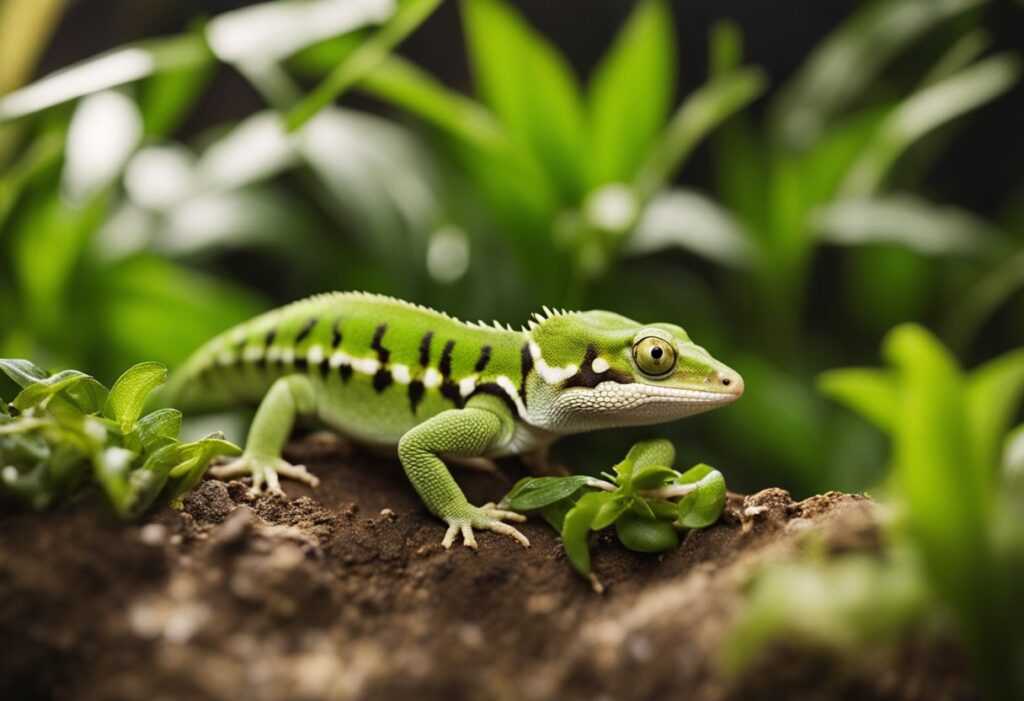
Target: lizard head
x=597, y=369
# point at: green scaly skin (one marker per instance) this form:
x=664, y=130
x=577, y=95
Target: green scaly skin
x=393, y=374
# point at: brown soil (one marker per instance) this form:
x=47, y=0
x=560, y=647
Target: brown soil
x=346, y=593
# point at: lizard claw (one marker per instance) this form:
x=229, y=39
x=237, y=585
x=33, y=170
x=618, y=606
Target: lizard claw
x=486, y=518
x=264, y=473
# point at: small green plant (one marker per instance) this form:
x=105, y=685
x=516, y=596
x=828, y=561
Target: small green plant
x=645, y=499
x=65, y=435
x=955, y=543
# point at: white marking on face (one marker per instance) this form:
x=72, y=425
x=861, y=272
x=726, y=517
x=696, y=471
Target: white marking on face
x=431, y=378
x=467, y=385
x=315, y=355
x=401, y=374
x=551, y=375
x=506, y=384
x=599, y=365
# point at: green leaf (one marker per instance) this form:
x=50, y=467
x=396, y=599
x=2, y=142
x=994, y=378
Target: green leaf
x=645, y=535
x=370, y=54
x=993, y=396
x=103, y=72
x=530, y=494
x=610, y=510
x=630, y=94
x=874, y=394
x=665, y=510
x=652, y=476
x=691, y=221
x=84, y=392
x=924, y=112
x=129, y=394
x=576, y=528
x=407, y=86
x=555, y=513
x=704, y=505
x=700, y=113
x=23, y=372
x=657, y=451
x=530, y=87
x=846, y=64
x=155, y=429
x=907, y=221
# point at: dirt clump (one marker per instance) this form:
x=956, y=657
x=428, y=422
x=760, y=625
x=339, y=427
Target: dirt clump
x=346, y=593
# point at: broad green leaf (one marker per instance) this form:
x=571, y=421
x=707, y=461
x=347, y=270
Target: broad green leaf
x=874, y=394
x=576, y=528
x=904, y=220
x=407, y=86
x=630, y=94
x=112, y=468
x=657, y=451
x=541, y=491
x=726, y=47
x=925, y=111
x=129, y=394
x=847, y=62
x=23, y=372
x=204, y=452
x=993, y=393
x=652, y=476
x=84, y=392
x=555, y=513
x=103, y=72
x=1013, y=454
x=166, y=97
x=610, y=510
x=273, y=31
x=689, y=220
x=370, y=54
x=665, y=510
x=700, y=113
x=704, y=505
x=530, y=87
x=156, y=428
x=645, y=535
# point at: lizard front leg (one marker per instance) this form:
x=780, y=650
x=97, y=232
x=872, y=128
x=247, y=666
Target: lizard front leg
x=287, y=398
x=457, y=432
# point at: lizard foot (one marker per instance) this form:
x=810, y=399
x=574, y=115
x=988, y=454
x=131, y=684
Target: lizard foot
x=264, y=473
x=486, y=518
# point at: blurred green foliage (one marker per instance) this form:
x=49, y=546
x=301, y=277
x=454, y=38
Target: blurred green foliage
x=119, y=241
x=65, y=436
x=956, y=546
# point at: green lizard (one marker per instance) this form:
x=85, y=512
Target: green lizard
x=393, y=374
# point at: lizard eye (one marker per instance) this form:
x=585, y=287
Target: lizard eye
x=654, y=356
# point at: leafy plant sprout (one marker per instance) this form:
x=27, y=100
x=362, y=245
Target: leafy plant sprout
x=644, y=498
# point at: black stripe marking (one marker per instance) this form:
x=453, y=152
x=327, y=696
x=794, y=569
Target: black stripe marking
x=346, y=372
x=336, y=333
x=449, y=389
x=301, y=363
x=381, y=379
x=484, y=359
x=306, y=329
x=240, y=346
x=525, y=367
x=445, y=366
x=586, y=377
x=383, y=354
x=497, y=390
x=268, y=340
x=425, y=348
x=416, y=392
x=325, y=368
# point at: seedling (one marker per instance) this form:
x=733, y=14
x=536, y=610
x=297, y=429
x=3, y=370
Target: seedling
x=66, y=434
x=646, y=500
